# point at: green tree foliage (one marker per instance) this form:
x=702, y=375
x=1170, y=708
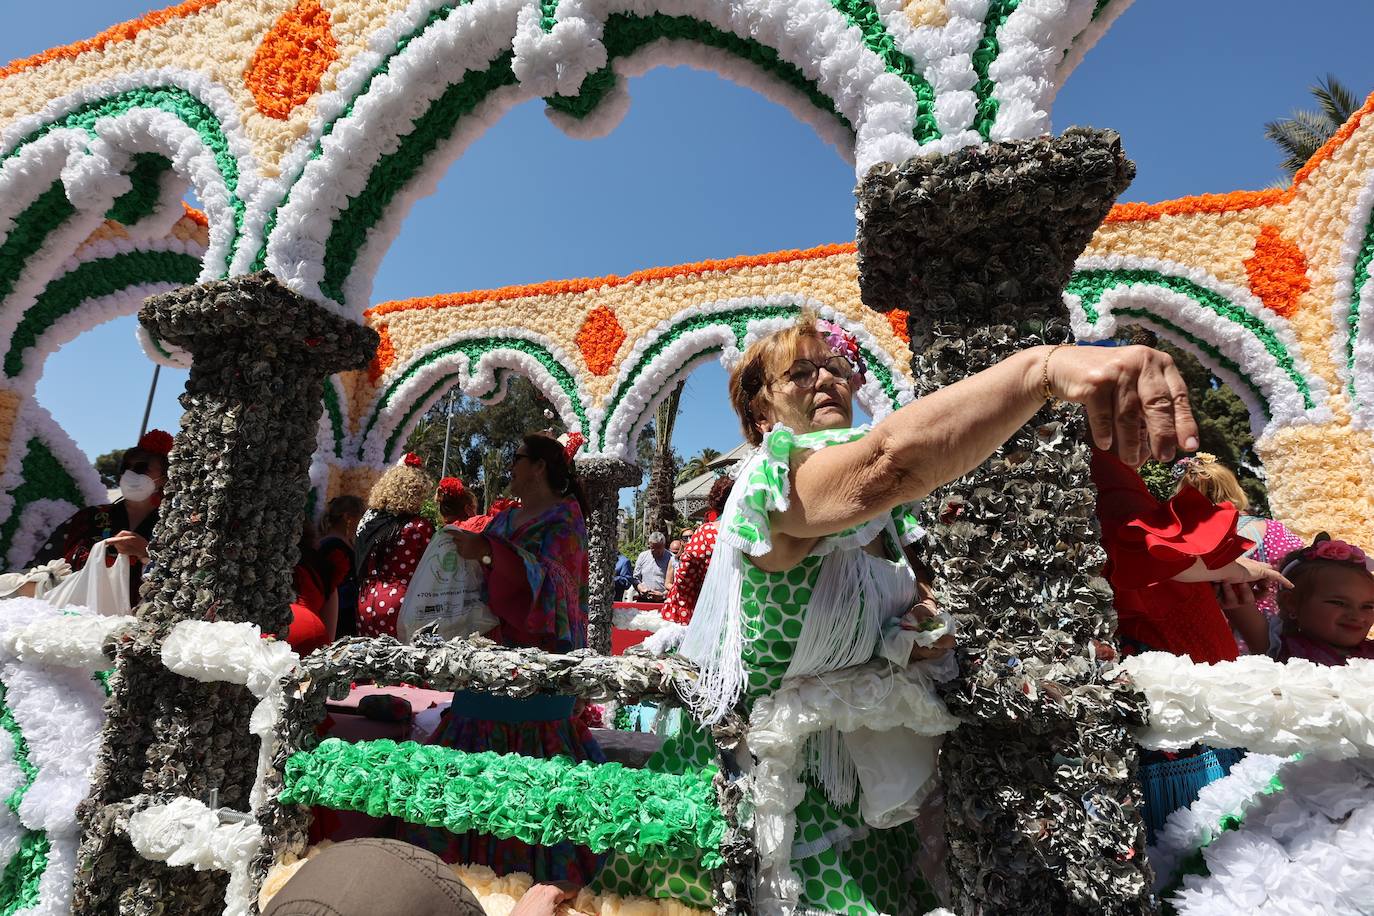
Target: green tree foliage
x=698, y=464
x=484, y=437
x=1302, y=133
x=107, y=466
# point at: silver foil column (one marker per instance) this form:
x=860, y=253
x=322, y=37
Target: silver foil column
x=227, y=542
x=1043, y=801
x=603, y=478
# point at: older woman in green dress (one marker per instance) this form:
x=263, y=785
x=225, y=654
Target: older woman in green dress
x=810, y=574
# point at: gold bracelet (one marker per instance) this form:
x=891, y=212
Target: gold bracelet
x=1045, y=373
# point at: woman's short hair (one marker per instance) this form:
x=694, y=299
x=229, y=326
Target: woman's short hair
x=559, y=470
x=763, y=360
x=341, y=509
x=720, y=492
x=135, y=457
x=402, y=490
x=1214, y=480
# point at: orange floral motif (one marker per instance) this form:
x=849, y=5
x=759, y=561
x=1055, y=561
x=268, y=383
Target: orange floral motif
x=1203, y=203
x=599, y=339
x=561, y=287
x=124, y=31
x=897, y=318
x=386, y=355
x=293, y=57
x=1277, y=271
x=196, y=216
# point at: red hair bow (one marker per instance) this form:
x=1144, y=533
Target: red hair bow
x=412, y=460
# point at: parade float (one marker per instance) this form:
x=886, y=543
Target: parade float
x=166, y=761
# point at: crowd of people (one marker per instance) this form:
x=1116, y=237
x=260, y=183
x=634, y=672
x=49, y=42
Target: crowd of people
x=809, y=562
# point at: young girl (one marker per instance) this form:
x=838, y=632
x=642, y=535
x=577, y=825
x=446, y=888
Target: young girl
x=1326, y=616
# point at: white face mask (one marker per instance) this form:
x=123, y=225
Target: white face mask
x=136, y=488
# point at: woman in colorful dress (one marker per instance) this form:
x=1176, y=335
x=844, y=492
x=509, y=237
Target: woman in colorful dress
x=809, y=575
x=535, y=556
x=390, y=543
x=127, y=523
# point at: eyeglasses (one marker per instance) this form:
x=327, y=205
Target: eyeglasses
x=804, y=372
x=515, y=459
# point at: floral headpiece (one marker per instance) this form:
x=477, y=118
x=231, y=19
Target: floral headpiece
x=156, y=440
x=412, y=460
x=843, y=343
x=1325, y=548
x=451, y=487
x=1184, y=465
x=571, y=443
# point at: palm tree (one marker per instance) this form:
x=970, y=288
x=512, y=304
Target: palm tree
x=662, y=472
x=1301, y=135
x=698, y=464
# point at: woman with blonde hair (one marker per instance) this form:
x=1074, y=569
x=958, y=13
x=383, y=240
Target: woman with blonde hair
x=390, y=543
x=1214, y=480
x=810, y=575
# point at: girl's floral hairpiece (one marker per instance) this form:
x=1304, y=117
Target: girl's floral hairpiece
x=571, y=443
x=1325, y=548
x=451, y=486
x=412, y=460
x=1184, y=465
x=843, y=343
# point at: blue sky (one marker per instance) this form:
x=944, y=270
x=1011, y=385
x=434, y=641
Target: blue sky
x=702, y=168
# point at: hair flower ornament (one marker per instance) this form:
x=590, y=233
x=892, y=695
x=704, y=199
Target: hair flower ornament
x=571, y=443
x=843, y=343
x=451, y=486
x=156, y=440
x=1327, y=548
x=1184, y=465
x=412, y=460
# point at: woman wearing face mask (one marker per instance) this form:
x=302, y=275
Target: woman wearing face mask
x=127, y=523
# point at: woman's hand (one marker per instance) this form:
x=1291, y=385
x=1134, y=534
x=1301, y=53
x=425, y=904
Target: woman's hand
x=131, y=545
x=544, y=899
x=1136, y=399
x=924, y=614
x=1262, y=575
x=471, y=545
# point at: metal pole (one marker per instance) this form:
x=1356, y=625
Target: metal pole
x=148, y=410
x=448, y=432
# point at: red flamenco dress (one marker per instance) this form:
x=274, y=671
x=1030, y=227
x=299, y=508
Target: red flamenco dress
x=1148, y=543
x=386, y=572
x=537, y=587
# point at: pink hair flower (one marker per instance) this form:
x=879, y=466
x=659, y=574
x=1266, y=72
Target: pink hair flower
x=843, y=343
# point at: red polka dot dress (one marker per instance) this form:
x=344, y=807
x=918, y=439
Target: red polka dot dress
x=691, y=573
x=387, y=575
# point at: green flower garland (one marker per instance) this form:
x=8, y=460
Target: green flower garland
x=643, y=813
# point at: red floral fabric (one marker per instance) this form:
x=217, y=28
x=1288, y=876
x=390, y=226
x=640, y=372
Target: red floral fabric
x=387, y=575
x=691, y=573
x=1148, y=542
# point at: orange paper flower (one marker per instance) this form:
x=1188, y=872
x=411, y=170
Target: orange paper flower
x=293, y=57
x=1277, y=271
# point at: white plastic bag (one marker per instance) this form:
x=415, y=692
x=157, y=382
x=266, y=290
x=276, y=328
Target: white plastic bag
x=896, y=768
x=103, y=589
x=446, y=590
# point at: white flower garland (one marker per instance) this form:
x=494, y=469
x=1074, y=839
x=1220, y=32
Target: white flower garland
x=641, y=621
x=1343, y=291
x=1302, y=850
x=60, y=712
x=1089, y=37
x=1258, y=704
x=478, y=380
x=1032, y=43
x=186, y=832
x=1282, y=395
x=67, y=640
x=34, y=422
x=874, y=696
x=1189, y=829
x=39, y=519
